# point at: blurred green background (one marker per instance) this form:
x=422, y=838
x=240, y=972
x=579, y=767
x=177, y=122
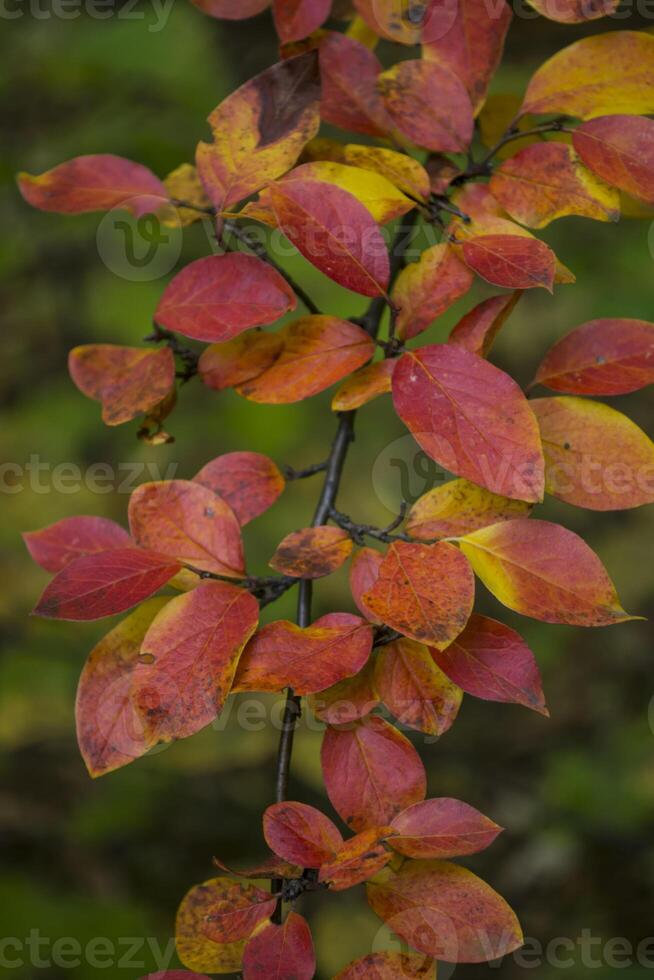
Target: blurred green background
x=100, y=862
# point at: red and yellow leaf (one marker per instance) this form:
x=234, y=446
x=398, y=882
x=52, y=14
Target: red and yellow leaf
x=445, y=911
x=248, y=482
x=301, y=834
x=544, y=571
x=276, y=952
x=367, y=383
x=348, y=700
x=318, y=351
x=409, y=22
x=312, y=552
x=126, y=380
x=194, y=948
x=239, y=360
x=620, y=150
x=442, y=828
x=491, y=661
x=595, y=456
x=236, y=909
x=471, y=418
x=282, y=654
x=389, y=966
x=296, y=19
x=426, y=288
x=371, y=772
x=184, y=185
x=356, y=860
x=364, y=572
x=414, y=689
x=511, y=261
x=601, y=357
x=458, y=507
x=402, y=170
x=350, y=99
x=55, y=546
x=220, y=296
x=105, y=583
x=477, y=330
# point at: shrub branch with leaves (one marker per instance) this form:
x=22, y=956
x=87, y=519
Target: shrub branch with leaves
x=479, y=171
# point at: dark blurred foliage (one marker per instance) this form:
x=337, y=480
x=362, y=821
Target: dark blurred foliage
x=112, y=858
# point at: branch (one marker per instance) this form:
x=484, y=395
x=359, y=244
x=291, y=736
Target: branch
x=359, y=532
x=483, y=167
x=188, y=356
x=266, y=589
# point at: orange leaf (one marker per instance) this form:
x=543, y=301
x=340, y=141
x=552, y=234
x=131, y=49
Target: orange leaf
x=95, y=183
x=296, y=19
x=249, y=482
x=236, y=910
x=492, y=662
x=318, y=351
x=458, y=507
x=301, y=834
x=620, y=150
x=511, y=261
x=389, y=966
x=308, y=660
x=442, y=828
x=241, y=359
x=194, y=948
x=312, y=552
x=356, y=860
x=371, y=772
x=348, y=700
x=276, y=952
x=471, y=418
x=127, y=380
x=477, y=330
x=367, y=383
x=55, y=546
x=186, y=520
x=445, y=911
x=220, y=296
x=414, y=689
x=601, y=357
x=364, y=572
x=349, y=72
x=429, y=104
x=189, y=657
x=425, y=289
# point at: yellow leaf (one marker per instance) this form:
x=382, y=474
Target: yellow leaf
x=183, y=184
x=194, y=948
x=459, y=507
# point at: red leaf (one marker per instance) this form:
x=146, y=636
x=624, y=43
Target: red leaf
x=296, y=19
x=477, y=330
x=105, y=583
x=301, y=834
x=349, y=72
x=308, y=660
x=442, y=828
x=189, y=657
x=348, y=700
x=190, y=522
x=471, y=418
x=335, y=232
x=429, y=104
x=127, y=380
x=280, y=952
x=425, y=289
x=356, y=860
x=364, y=572
x=371, y=772
x=491, y=661
x=236, y=910
x=620, y=150
x=512, y=261
x=389, y=966
x=55, y=546
x=220, y=296
x=274, y=867
x=312, y=552
x=601, y=357
x=414, y=689
x=249, y=482
x=95, y=183
x=241, y=359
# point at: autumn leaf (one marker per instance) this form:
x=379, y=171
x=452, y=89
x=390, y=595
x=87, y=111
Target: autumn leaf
x=364, y=572
x=409, y=22
x=272, y=867
x=389, y=966
x=189, y=656
x=598, y=75
x=239, y=360
x=441, y=828
x=415, y=689
x=295, y=19
x=194, y=948
x=428, y=104
x=248, y=482
x=276, y=952
x=601, y=357
x=471, y=418
x=574, y=11
x=105, y=583
x=55, y=546
x=220, y=296
x=312, y=552
x=511, y=261
x=235, y=910
x=445, y=911
x=426, y=288
x=371, y=772
x=458, y=507
x=260, y=129
x=350, y=99
x=364, y=385
x=128, y=381
x=356, y=860
x=100, y=182
x=544, y=571
x=318, y=351
x=491, y=661
x=348, y=700
x=307, y=659
x=183, y=184
x=595, y=456
x=334, y=231
x=620, y=150
x=547, y=181
x=477, y=330
x=301, y=834
x=407, y=174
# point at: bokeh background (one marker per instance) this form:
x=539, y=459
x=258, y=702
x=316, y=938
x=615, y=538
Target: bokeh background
x=107, y=860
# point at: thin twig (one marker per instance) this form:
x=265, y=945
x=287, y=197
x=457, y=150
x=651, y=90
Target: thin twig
x=290, y=473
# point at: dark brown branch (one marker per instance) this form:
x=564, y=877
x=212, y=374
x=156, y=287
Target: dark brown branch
x=290, y=473
x=188, y=357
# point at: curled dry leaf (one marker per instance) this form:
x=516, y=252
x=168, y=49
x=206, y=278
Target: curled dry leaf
x=356, y=860
x=414, y=689
x=595, y=456
x=371, y=772
x=367, y=383
x=128, y=381
x=220, y=296
x=492, y=662
x=276, y=952
x=241, y=359
x=426, y=288
x=442, y=828
x=544, y=571
x=249, y=482
x=601, y=357
x=55, y=546
x=620, y=149
x=458, y=507
x=312, y=552
x=301, y=834
x=282, y=654
x=471, y=418
x=389, y=966
x=194, y=948
x=477, y=330
x=350, y=99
